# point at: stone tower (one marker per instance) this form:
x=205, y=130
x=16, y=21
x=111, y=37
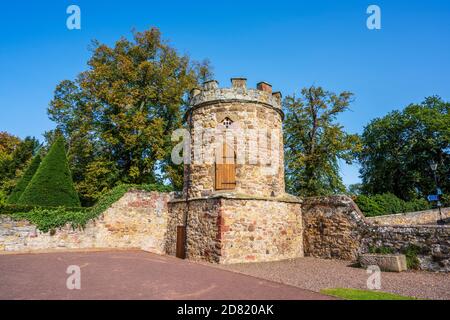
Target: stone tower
x=234, y=207
x=252, y=119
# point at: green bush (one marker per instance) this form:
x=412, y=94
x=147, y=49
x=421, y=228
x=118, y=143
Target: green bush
x=25, y=180
x=382, y=204
x=52, y=184
x=411, y=252
x=51, y=218
x=369, y=206
x=7, y=208
x=381, y=250
x=3, y=198
x=445, y=199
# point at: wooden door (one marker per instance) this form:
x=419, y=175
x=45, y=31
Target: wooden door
x=181, y=237
x=226, y=170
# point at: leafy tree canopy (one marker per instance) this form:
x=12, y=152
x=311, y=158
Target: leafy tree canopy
x=15, y=156
x=118, y=115
x=398, y=148
x=315, y=142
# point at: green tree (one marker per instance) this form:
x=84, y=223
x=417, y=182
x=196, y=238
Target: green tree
x=52, y=183
x=25, y=180
x=120, y=113
x=15, y=156
x=315, y=142
x=397, y=150
x=354, y=189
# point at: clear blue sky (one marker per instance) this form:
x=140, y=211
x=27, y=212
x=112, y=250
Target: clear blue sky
x=290, y=44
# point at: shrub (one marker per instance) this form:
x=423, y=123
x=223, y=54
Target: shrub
x=382, y=204
x=369, y=206
x=7, y=208
x=25, y=180
x=411, y=252
x=52, y=184
x=445, y=199
x=381, y=250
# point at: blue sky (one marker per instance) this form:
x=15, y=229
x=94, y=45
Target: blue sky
x=290, y=44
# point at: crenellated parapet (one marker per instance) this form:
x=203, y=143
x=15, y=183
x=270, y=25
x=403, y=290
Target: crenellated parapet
x=210, y=93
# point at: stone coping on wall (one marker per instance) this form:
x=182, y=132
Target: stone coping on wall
x=424, y=217
x=235, y=196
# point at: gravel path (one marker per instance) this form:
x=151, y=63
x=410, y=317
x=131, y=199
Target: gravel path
x=316, y=274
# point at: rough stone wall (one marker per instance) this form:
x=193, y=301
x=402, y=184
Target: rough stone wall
x=335, y=228
x=260, y=230
x=249, y=109
x=230, y=230
x=431, y=242
x=202, y=228
x=410, y=218
x=137, y=220
x=332, y=227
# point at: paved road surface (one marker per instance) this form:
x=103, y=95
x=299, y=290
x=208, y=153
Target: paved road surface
x=131, y=275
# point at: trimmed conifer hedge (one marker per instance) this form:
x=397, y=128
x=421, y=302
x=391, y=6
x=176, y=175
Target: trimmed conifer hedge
x=25, y=180
x=52, y=184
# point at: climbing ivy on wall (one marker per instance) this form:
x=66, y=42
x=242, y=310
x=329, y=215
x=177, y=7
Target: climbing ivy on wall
x=48, y=218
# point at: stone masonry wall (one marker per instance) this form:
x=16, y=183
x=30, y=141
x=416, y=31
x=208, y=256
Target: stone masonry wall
x=202, y=228
x=253, y=179
x=335, y=228
x=260, y=230
x=411, y=218
x=231, y=230
x=137, y=220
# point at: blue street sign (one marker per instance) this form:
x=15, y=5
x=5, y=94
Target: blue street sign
x=433, y=197
x=439, y=191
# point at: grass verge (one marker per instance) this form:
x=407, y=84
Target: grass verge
x=358, y=294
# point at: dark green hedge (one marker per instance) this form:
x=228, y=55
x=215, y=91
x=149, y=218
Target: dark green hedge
x=25, y=180
x=46, y=218
x=52, y=185
x=15, y=208
x=383, y=204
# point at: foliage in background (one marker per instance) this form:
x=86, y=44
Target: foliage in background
x=52, y=184
x=315, y=142
x=397, y=150
x=25, y=180
x=118, y=116
x=47, y=219
x=382, y=204
x=381, y=250
x=15, y=156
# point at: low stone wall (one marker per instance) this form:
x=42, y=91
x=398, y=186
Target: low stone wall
x=411, y=218
x=137, y=220
x=334, y=227
x=432, y=243
x=234, y=230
